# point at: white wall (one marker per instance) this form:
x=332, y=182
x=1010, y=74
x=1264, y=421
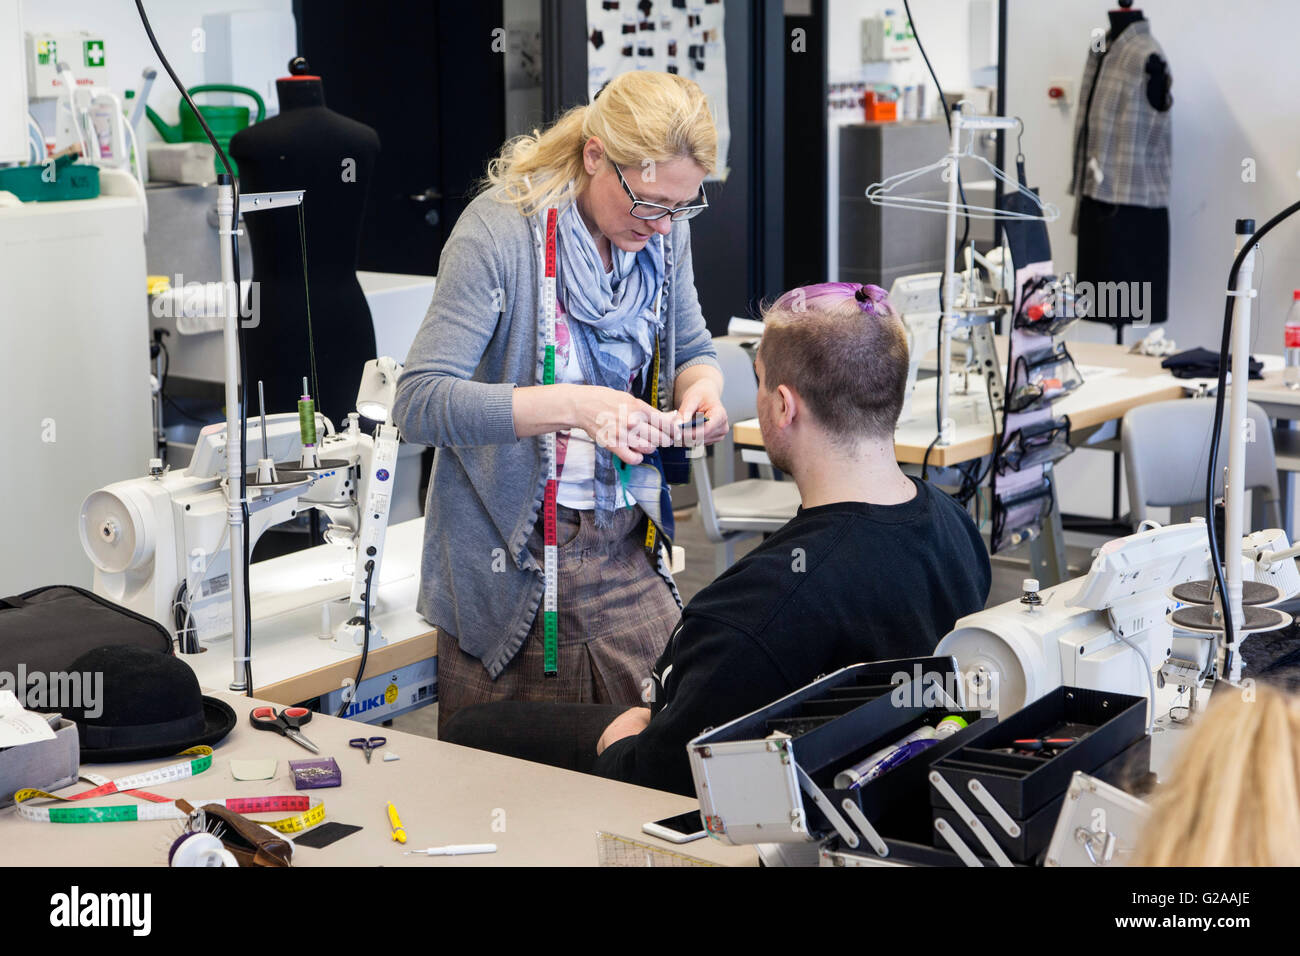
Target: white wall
x=1235, y=82
x=127, y=49
x=943, y=27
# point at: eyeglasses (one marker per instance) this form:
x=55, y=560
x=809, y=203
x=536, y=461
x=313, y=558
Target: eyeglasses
x=650, y=211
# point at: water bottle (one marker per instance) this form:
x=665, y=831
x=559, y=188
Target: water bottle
x=1292, y=372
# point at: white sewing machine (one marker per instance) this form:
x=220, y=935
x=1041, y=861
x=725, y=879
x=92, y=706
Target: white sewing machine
x=916, y=299
x=1109, y=630
x=160, y=544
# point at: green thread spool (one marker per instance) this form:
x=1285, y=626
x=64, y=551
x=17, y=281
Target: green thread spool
x=307, y=417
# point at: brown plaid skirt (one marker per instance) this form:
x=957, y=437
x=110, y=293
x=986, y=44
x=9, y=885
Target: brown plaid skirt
x=615, y=616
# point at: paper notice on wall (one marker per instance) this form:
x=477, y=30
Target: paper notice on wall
x=665, y=36
x=19, y=726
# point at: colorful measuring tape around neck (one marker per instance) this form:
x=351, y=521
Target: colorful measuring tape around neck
x=550, y=551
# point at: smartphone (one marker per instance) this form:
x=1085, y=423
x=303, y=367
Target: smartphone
x=682, y=828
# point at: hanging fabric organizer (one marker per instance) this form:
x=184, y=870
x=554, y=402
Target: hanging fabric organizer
x=1032, y=438
x=1040, y=370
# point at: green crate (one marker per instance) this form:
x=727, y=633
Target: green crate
x=65, y=180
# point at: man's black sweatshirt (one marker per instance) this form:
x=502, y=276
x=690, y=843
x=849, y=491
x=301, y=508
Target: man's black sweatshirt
x=838, y=585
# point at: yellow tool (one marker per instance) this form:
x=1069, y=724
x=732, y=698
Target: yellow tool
x=399, y=834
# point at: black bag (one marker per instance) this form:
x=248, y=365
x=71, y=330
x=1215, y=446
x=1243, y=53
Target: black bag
x=48, y=628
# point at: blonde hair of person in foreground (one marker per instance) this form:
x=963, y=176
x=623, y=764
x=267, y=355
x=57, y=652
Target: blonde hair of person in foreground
x=1234, y=796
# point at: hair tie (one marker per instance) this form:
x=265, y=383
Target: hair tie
x=865, y=302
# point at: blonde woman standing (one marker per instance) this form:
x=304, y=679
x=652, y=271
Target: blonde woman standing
x=633, y=362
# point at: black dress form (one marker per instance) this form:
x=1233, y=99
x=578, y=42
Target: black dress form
x=1122, y=243
x=308, y=146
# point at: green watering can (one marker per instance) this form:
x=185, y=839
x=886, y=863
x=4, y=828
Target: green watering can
x=224, y=121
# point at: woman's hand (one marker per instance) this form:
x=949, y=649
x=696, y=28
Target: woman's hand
x=702, y=397
x=624, y=424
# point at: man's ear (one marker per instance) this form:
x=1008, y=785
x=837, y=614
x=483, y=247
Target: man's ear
x=787, y=405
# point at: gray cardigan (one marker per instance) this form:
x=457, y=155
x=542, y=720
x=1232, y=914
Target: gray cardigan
x=480, y=338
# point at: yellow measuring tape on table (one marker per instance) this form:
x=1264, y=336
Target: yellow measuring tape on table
x=305, y=813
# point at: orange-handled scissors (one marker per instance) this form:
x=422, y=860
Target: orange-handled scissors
x=285, y=723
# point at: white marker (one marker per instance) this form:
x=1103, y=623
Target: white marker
x=454, y=849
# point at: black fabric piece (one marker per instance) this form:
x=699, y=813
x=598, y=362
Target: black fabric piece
x=1202, y=363
x=838, y=585
x=308, y=146
x=561, y=735
x=1158, y=83
x=1274, y=656
x=53, y=626
x=326, y=833
x=1119, y=243
x=1028, y=240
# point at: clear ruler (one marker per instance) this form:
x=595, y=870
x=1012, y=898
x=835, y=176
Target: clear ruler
x=550, y=558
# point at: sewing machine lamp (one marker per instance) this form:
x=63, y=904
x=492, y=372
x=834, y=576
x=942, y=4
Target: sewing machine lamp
x=378, y=389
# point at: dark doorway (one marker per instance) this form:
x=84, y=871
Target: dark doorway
x=428, y=78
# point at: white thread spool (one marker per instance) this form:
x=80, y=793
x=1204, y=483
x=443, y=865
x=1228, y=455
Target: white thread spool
x=202, y=849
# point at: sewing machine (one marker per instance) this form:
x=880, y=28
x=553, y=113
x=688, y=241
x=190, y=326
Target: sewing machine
x=916, y=300
x=160, y=543
x=1111, y=629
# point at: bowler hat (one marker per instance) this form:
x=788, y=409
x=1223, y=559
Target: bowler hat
x=150, y=706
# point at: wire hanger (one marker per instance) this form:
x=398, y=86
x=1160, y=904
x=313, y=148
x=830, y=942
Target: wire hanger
x=882, y=193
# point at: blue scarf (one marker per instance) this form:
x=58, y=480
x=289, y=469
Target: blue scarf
x=613, y=320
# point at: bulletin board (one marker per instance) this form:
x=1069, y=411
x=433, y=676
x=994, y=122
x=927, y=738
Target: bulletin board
x=669, y=36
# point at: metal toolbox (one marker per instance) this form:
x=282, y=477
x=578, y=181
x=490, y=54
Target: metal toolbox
x=768, y=777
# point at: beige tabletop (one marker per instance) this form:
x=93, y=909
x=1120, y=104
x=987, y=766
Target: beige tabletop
x=1131, y=380
x=537, y=815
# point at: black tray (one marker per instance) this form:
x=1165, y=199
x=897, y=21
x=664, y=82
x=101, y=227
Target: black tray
x=1107, y=724
x=1036, y=832
x=905, y=783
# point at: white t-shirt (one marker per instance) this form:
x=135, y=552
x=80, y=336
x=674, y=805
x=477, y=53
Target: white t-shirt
x=575, y=450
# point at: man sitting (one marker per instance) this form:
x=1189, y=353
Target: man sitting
x=874, y=566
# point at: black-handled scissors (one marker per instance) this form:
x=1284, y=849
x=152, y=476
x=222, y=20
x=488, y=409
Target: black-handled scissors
x=367, y=744
x=285, y=723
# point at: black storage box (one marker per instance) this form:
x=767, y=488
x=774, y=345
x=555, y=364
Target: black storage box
x=1105, y=723
x=1122, y=771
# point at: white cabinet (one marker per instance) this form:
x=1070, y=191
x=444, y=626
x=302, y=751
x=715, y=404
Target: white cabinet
x=75, y=410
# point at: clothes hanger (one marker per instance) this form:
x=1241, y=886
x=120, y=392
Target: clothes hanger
x=884, y=192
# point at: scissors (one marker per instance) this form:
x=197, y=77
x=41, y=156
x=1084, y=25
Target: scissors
x=285, y=723
x=367, y=744
x=1046, y=746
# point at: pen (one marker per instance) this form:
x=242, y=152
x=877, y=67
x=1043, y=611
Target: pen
x=399, y=834
x=457, y=849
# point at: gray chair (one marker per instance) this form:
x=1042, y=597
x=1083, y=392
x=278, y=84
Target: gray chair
x=1166, y=452
x=735, y=510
